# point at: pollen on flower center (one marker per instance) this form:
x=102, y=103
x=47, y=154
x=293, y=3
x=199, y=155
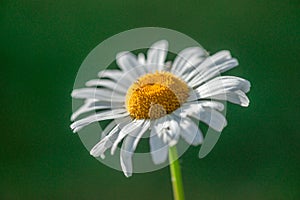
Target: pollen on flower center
x=154, y=95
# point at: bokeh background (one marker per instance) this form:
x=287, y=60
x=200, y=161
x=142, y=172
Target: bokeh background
x=43, y=43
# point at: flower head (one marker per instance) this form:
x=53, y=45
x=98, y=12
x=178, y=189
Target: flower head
x=165, y=98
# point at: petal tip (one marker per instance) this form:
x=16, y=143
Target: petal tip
x=127, y=174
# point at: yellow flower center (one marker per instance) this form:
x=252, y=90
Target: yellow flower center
x=154, y=95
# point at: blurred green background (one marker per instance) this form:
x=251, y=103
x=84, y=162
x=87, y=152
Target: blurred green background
x=43, y=43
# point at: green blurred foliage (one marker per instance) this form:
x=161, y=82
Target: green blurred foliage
x=42, y=46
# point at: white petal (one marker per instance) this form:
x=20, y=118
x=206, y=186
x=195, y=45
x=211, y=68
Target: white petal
x=214, y=60
x=227, y=88
x=127, y=62
x=126, y=157
x=128, y=148
x=193, y=96
x=141, y=69
x=131, y=65
x=93, y=105
x=212, y=104
x=119, y=88
x=109, y=136
x=98, y=93
x=81, y=109
x=168, y=66
x=236, y=97
x=117, y=76
x=188, y=58
x=137, y=137
x=110, y=114
x=205, y=103
x=220, y=57
x=221, y=85
x=158, y=149
x=141, y=59
x=168, y=130
x=112, y=74
x=108, y=128
x=132, y=128
x=121, y=122
x=104, y=144
x=205, y=114
x=211, y=117
x=157, y=53
x=213, y=72
x=190, y=132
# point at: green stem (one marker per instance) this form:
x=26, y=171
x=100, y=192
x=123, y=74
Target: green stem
x=175, y=174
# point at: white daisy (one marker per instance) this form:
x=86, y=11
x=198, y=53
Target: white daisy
x=164, y=98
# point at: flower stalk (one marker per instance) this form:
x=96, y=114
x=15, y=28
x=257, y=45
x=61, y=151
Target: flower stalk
x=175, y=174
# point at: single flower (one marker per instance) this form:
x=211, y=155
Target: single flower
x=165, y=98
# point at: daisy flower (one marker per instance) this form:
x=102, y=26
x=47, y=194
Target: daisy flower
x=167, y=99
